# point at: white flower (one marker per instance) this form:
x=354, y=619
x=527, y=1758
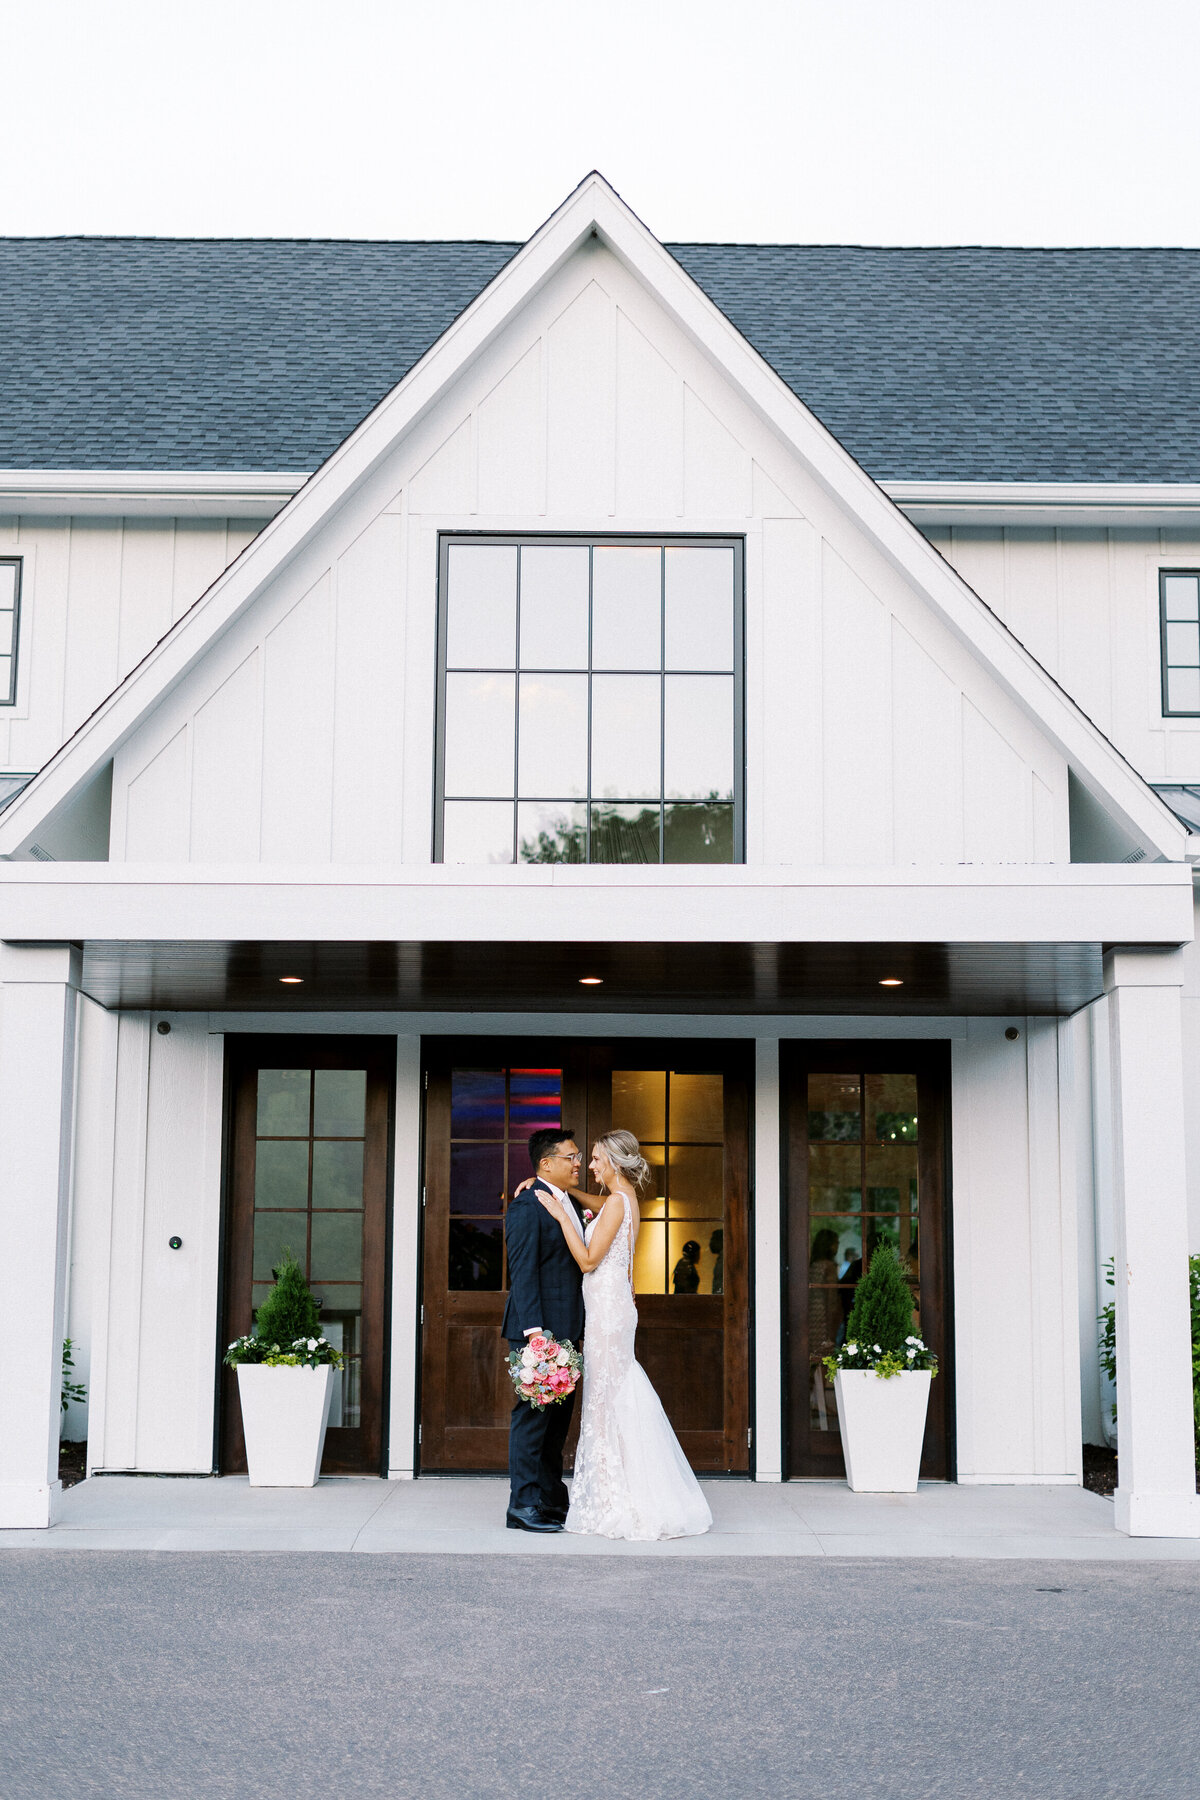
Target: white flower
x=911, y=1354
x=528, y=1359
x=561, y=1358
x=312, y=1343
x=878, y=1351
x=852, y=1349
x=910, y=1340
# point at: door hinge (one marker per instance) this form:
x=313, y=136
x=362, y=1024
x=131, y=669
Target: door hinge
x=423, y=1193
x=749, y=1437
x=418, y=1434
x=422, y=1315
x=427, y=1080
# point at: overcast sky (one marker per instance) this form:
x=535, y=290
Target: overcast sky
x=835, y=121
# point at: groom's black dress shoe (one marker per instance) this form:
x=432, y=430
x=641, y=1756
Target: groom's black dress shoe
x=531, y=1518
x=557, y=1513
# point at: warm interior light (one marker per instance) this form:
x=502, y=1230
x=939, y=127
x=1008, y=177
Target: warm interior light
x=292, y=980
x=591, y=981
x=891, y=981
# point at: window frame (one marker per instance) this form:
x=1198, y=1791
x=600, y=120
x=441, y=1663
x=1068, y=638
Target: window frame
x=1168, y=711
x=593, y=540
x=17, y=563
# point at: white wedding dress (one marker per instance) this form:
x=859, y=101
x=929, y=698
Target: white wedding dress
x=631, y=1478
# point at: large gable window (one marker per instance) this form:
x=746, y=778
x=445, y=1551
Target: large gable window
x=1179, y=609
x=590, y=701
x=10, y=618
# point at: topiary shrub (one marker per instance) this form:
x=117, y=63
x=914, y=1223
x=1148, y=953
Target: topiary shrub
x=289, y=1310
x=882, y=1314
x=879, y=1331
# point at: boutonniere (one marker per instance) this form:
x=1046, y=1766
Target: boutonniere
x=588, y=1215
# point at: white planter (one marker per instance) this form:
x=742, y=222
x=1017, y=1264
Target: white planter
x=883, y=1425
x=284, y=1415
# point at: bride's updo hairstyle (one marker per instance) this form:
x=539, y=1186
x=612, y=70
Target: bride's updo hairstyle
x=622, y=1151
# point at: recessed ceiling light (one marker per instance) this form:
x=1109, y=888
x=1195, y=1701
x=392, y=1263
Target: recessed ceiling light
x=591, y=981
x=292, y=980
x=891, y=981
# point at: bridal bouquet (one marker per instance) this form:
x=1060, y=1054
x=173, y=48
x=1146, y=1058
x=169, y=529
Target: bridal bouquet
x=545, y=1371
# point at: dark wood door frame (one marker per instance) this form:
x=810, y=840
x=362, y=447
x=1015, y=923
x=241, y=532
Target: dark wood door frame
x=587, y=1066
x=245, y=1054
x=929, y=1060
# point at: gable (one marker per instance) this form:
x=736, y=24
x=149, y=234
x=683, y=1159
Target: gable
x=890, y=718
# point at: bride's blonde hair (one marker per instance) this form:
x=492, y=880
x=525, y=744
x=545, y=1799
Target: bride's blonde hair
x=624, y=1153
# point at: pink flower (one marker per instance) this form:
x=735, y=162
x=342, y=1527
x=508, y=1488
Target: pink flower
x=588, y=1215
x=537, y=1343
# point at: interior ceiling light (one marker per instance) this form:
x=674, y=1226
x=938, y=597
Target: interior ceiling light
x=292, y=980
x=591, y=981
x=891, y=981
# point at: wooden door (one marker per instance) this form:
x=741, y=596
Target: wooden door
x=866, y=1159
x=482, y=1100
x=308, y=1170
x=689, y=1104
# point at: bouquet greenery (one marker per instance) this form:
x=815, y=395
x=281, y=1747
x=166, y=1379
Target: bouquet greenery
x=879, y=1331
x=287, y=1331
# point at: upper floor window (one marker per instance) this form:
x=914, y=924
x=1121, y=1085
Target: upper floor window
x=1179, y=610
x=10, y=614
x=589, y=701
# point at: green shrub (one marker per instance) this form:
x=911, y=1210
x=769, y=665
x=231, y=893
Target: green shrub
x=71, y=1390
x=882, y=1314
x=1107, y=1322
x=289, y=1310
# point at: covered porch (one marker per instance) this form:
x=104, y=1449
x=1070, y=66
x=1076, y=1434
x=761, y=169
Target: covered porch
x=953, y=954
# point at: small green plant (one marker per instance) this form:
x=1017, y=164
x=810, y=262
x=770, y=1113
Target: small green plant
x=71, y=1390
x=1107, y=1321
x=879, y=1331
x=289, y=1310
x=287, y=1326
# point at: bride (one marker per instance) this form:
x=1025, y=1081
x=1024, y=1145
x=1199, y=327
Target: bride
x=631, y=1478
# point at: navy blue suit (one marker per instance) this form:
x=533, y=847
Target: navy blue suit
x=545, y=1288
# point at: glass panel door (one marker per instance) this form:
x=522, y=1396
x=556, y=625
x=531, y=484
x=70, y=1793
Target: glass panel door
x=865, y=1167
x=309, y=1176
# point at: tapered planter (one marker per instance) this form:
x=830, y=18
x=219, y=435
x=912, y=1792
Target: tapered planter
x=284, y=1415
x=883, y=1427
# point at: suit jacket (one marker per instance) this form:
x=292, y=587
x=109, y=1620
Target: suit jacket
x=545, y=1284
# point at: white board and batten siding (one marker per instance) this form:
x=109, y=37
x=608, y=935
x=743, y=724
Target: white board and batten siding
x=1085, y=603
x=97, y=594
x=307, y=733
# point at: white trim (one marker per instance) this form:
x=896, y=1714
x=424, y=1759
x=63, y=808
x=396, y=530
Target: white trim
x=1138, y=903
x=595, y=210
x=148, y=493
x=1077, y=503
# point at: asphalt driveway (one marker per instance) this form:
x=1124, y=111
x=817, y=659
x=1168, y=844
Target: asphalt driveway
x=152, y=1676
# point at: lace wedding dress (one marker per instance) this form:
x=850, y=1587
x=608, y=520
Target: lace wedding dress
x=631, y=1478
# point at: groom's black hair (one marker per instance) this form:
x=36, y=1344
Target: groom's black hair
x=541, y=1142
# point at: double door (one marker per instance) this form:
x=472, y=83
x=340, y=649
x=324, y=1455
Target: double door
x=687, y=1104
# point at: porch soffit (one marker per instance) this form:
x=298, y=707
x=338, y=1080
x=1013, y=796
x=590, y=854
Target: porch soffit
x=481, y=977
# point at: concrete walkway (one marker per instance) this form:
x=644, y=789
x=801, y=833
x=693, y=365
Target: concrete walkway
x=465, y=1516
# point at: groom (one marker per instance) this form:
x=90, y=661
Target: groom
x=545, y=1293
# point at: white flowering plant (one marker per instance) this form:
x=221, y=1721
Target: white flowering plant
x=302, y=1353
x=914, y=1353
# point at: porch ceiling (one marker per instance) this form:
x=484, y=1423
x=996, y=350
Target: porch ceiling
x=954, y=979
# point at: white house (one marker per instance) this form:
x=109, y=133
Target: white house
x=585, y=735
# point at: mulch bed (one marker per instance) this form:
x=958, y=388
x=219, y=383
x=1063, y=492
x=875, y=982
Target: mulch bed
x=1100, y=1470
x=72, y=1462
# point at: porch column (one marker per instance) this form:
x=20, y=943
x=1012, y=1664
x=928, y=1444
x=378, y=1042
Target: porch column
x=38, y=1000
x=1157, y=1492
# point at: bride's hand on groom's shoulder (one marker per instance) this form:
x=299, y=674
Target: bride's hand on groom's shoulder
x=527, y=1183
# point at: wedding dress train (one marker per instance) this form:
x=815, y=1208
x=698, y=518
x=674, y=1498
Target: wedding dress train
x=631, y=1478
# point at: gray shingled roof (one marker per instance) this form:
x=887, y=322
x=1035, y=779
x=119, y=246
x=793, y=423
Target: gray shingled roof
x=944, y=364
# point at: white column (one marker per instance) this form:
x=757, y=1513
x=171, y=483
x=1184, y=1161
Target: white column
x=1157, y=1492
x=768, y=1255
x=38, y=999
